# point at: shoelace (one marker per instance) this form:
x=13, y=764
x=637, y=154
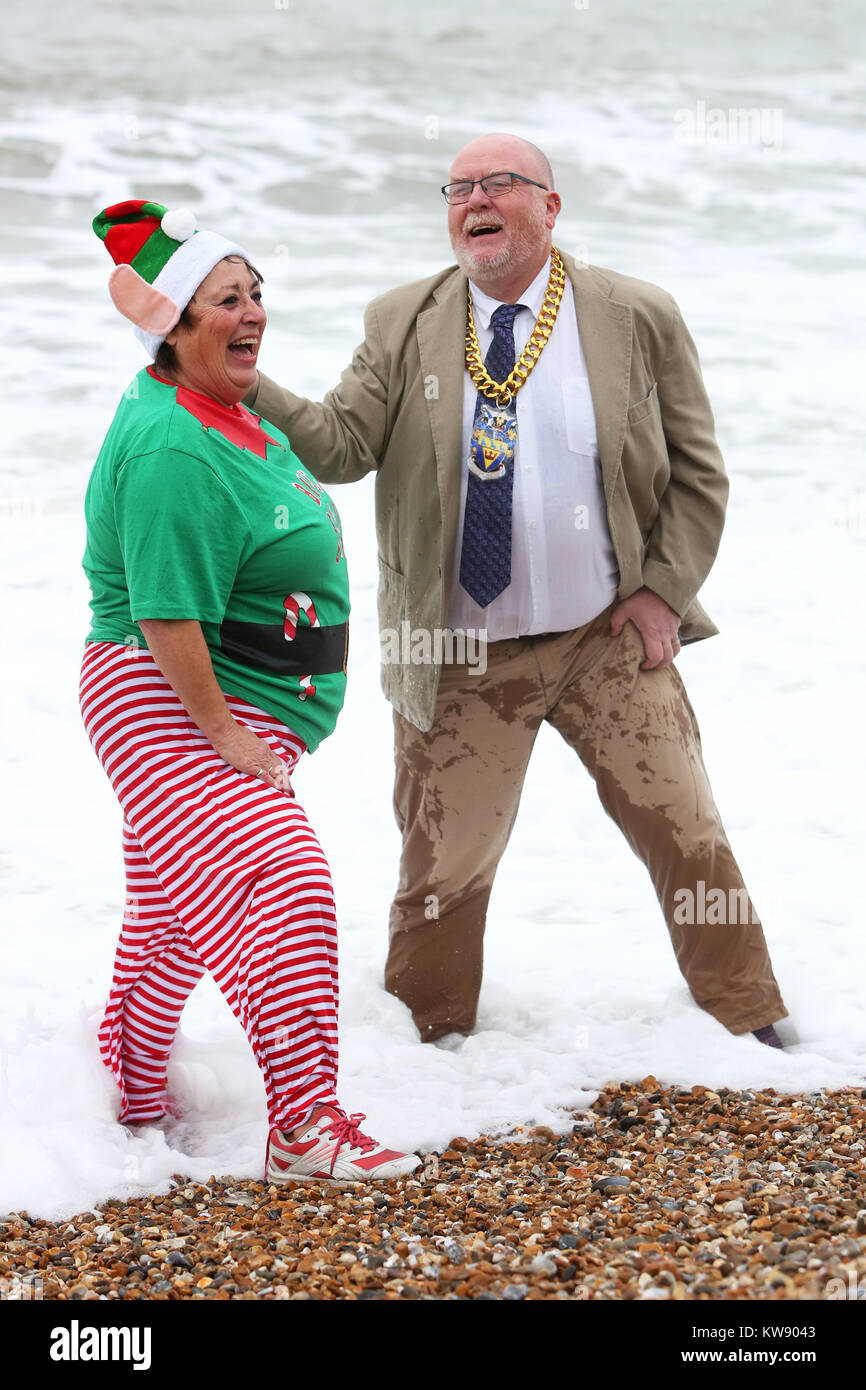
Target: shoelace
x=346, y=1131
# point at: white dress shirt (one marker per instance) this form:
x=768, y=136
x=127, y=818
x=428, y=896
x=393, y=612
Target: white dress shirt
x=563, y=567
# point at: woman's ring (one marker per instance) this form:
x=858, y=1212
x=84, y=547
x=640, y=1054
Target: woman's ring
x=261, y=772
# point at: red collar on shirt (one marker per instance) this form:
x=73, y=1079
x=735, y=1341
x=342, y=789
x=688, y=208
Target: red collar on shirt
x=235, y=423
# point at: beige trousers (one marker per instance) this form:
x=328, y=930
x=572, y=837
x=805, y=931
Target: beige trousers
x=456, y=795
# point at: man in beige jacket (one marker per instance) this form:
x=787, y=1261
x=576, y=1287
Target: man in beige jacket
x=569, y=517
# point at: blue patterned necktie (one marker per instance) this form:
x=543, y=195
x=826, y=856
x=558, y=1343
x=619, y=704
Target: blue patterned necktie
x=485, y=560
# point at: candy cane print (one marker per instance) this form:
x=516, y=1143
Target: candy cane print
x=294, y=605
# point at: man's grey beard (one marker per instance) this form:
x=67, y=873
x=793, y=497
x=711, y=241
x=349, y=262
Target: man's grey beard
x=499, y=267
x=488, y=267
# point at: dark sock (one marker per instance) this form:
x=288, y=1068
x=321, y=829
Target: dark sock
x=768, y=1035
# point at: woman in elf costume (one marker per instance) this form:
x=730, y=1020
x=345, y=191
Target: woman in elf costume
x=215, y=658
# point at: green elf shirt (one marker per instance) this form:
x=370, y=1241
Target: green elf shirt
x=200, y=510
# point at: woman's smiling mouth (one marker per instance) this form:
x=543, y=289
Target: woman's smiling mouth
x=247, y=347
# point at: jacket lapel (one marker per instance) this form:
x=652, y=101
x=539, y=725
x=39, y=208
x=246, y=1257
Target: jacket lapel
x=606, y=336
x=441, y=332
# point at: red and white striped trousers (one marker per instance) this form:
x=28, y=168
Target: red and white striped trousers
x=224, y=873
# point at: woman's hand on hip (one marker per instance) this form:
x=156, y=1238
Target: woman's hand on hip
x=178, y=647
x=244, y=750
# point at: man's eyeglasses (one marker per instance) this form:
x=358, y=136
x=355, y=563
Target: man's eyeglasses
x=494, y=185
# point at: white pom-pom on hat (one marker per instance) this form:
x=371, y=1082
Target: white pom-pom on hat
x=178, y=223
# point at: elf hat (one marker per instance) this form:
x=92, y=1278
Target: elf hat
x=160, y=261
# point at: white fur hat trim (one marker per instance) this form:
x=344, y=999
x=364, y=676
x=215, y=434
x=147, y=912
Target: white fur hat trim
x=182, y=274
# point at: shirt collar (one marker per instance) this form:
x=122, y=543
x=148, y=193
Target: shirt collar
x=484, y=306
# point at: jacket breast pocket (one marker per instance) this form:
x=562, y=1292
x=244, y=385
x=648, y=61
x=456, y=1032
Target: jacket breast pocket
x=639, y=410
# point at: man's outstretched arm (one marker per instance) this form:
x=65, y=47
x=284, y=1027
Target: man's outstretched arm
x=343, y=437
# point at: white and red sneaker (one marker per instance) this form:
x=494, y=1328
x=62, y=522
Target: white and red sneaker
x=333, y=1150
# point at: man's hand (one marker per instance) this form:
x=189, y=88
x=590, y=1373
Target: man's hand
x=656, y=622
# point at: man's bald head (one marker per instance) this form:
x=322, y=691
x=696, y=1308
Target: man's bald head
x=502, y=240
x=521, y=156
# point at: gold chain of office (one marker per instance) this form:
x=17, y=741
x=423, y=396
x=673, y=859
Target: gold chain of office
x=503, y=392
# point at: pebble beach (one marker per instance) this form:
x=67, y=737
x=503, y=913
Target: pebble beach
x=655, y=1193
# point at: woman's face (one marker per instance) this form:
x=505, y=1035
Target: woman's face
x=216, y=352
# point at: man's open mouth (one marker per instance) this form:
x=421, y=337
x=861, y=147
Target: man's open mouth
x=485, y=229
x=244, y=347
